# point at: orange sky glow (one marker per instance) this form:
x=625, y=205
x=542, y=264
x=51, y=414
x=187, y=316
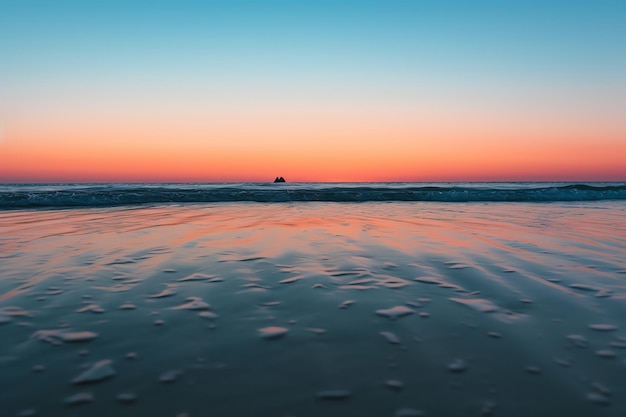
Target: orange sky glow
x=312, y=92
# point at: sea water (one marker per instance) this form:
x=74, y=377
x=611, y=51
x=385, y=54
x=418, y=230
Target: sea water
x=313, y=299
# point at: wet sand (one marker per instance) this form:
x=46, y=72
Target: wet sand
x=311, y=309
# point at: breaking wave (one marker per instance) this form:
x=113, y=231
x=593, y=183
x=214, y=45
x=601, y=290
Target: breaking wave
x=103, y=195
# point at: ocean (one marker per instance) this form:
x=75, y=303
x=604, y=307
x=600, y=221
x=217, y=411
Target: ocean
x=313, y=299
x=17, y=196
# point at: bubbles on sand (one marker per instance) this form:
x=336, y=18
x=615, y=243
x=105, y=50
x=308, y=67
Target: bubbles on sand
x=394, y=385
x=578, y=340
x=93, y=308
x=395, y=312
x=390, y=337
x=59, y=336
x=316, y=330
x=126, y=398
x=78, y=399
x=457, y=366
x=429, y=280
x=197, y=277
x=362, y=281
x=193, y=303
x=584, y=287
x=601, y=388
x=478, y=304
x=12, y=311
x=488, y=408
x=38, y=368
x=99, y=371
x=170, y=376
x=337, y=394
x=270, y=304
x=208, y=315
x=394, y=283
x=272, y=332
x=603, y=327
x=598, y=398
x=415, y=304
x=533, y=370
x=606, y=353
x=168, y=292
x=357, y=287
x=290, y=280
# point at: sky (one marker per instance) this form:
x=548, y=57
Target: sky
x=234, y=90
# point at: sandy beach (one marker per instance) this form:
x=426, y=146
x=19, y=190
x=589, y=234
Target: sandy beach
x=314, y=309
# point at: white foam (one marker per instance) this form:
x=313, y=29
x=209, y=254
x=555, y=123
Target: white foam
x=208, y=315
x=578, y=339
x=478, y=304
x=606, y=353
x=196, y=277
x=290, y=280
x=394, y=384
x=457, y=366
x=395, y=312
x=272, y=332
x=193, y=303
x=168, y=292
x=357, y=287
x=126, y=398
x=598, y=398
x=429, y=280
x=584, y=287
x=603, y=327
x=390, y=337
x=94, y=308
x=99, y=371
x=316, y=330
x=80, y=398
x=58, y=336
x=170, y=376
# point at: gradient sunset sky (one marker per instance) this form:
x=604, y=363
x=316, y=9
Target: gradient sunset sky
x=394, y=90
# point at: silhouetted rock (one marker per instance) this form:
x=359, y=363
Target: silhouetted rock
x=279, y=179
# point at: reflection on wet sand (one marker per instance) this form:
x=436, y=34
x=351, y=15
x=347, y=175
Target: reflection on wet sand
x=312, y=309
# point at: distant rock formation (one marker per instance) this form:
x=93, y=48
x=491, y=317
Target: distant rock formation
x=279, y=179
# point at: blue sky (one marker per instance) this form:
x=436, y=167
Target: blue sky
x=538, y=40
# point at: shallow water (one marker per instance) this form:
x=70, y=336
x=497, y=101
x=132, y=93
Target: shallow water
x=308, y=309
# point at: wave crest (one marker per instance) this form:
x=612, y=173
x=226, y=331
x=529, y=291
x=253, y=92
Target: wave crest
x=59, y=196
